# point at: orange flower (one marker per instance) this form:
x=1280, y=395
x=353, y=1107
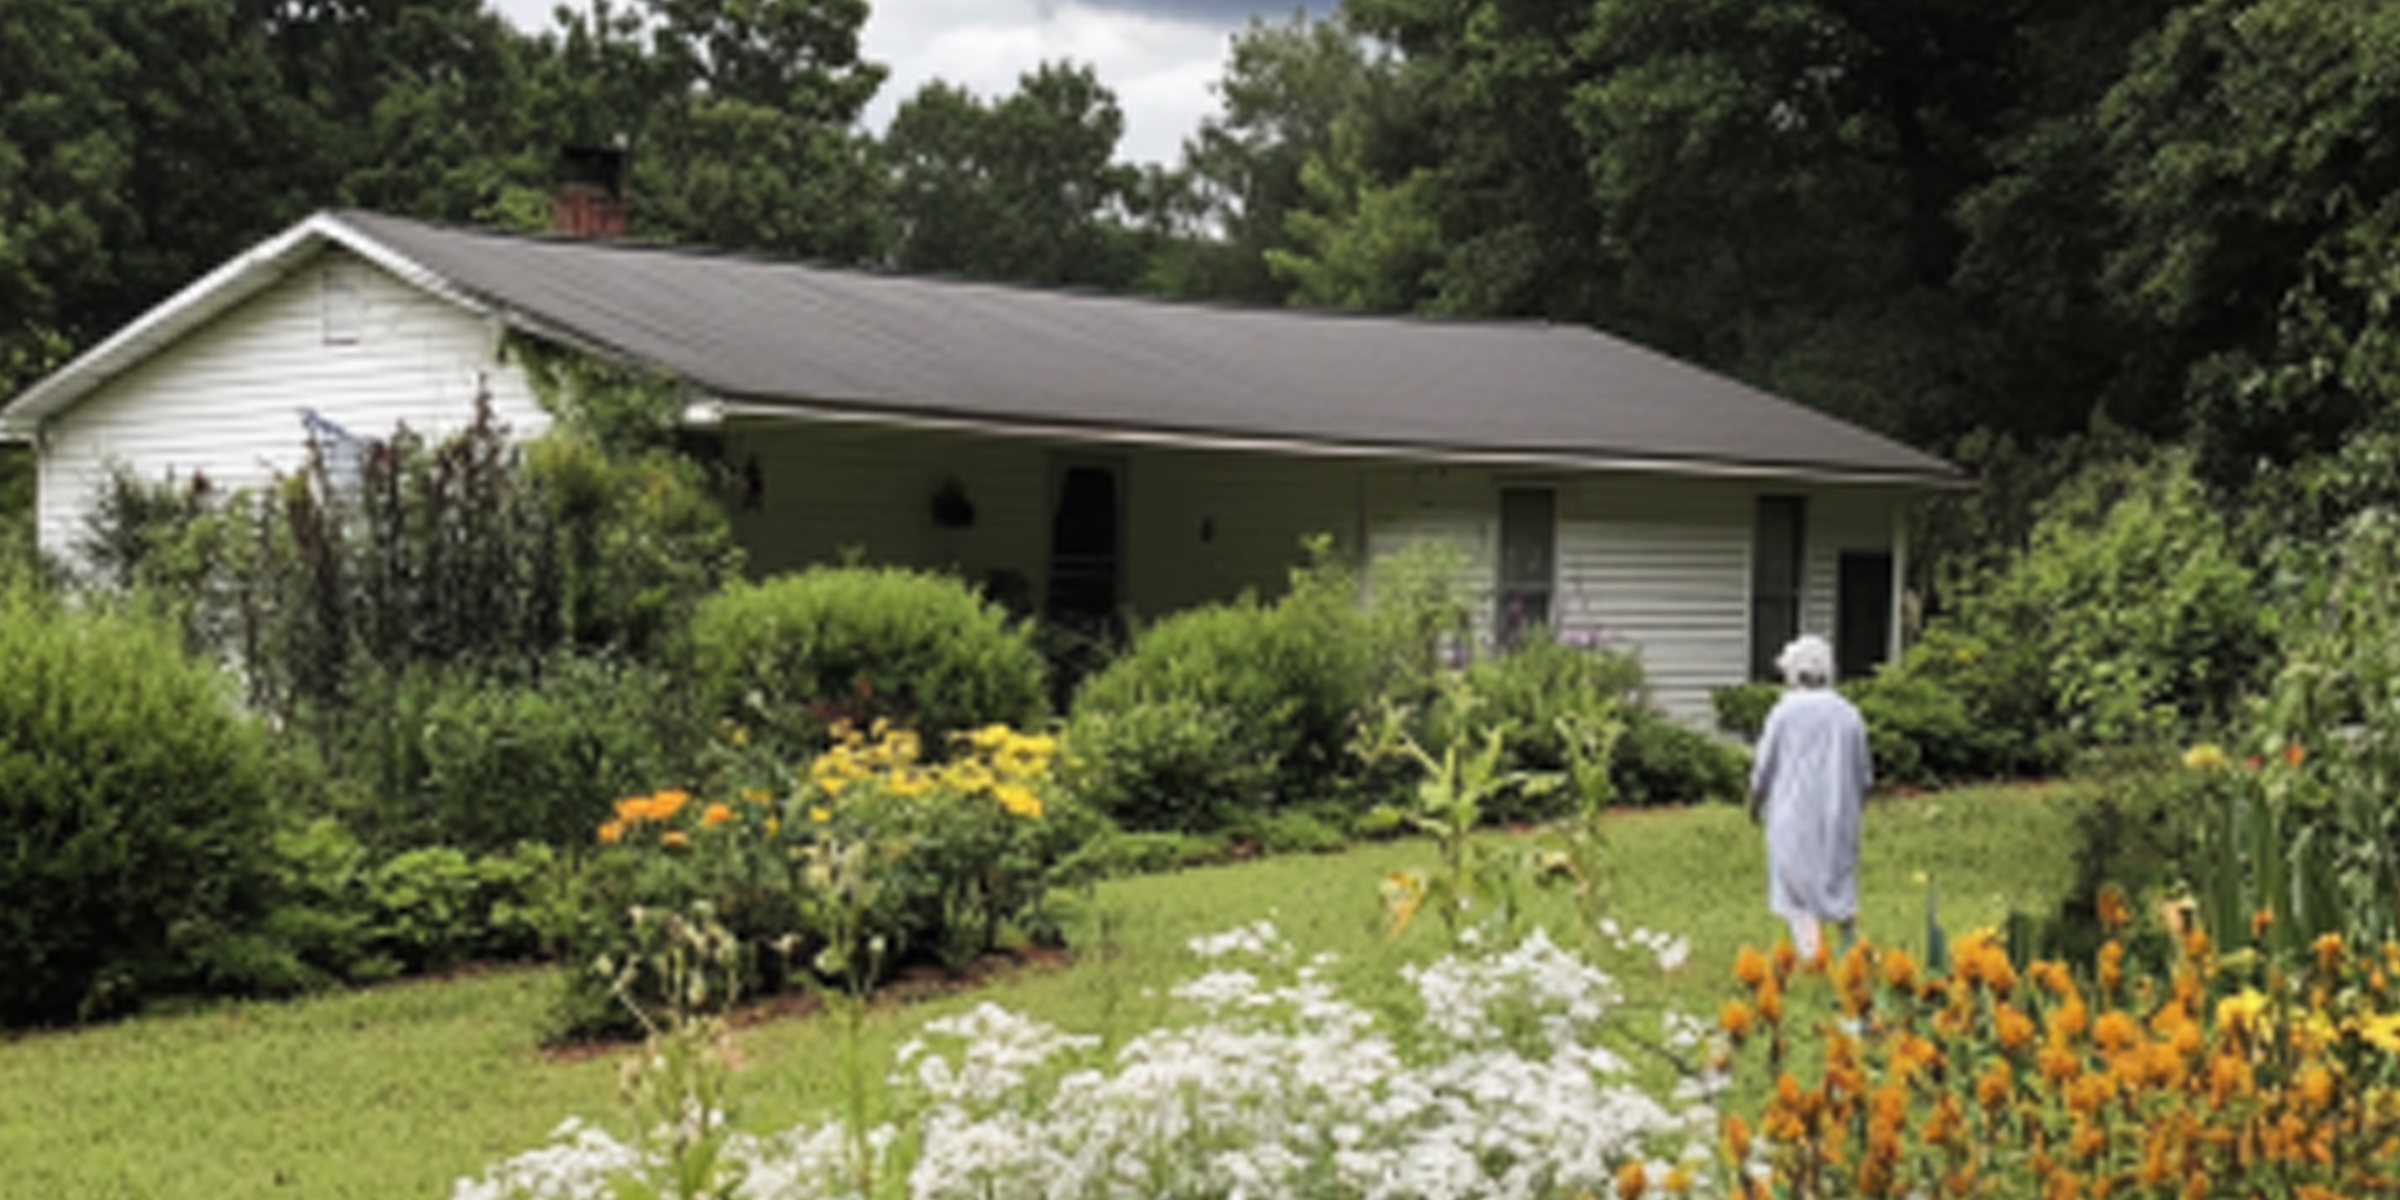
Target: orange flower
x=1899, y=970
x=1631, y=1179
x=1737, y=1137
x=2294, y=754
x=2116, y=1032
x=2329, y=952
x=1734, y=1018
x=666, y=804
x=2110, y=906
x=716, y=814
x=2112, y=966
x=612, y=832
x=1992, y=1087
x=2260, y=922
x=2315, y=1085
x=1750, y=967
x=1770, y=1000
x=674, y=837
x=1785, y=959
x=2013, y=1028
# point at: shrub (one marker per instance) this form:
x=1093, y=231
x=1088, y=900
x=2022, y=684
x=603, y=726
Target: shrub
x=1742, y=708
x=1538, y=694
x=788, y=657
x=1244, y=687
x=456, y=757
x=344, y=916
x=1176, y=765
x=138, y=806
x=1660, y=760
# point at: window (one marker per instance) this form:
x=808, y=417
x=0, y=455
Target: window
x=341, y=305
x=1778, y=568
x=1528, y=560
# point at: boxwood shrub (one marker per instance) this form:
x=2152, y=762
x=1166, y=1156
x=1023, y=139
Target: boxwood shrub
x=137, y=802
x=787, y=657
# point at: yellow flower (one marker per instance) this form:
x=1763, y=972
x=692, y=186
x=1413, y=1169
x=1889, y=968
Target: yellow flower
x=1019, y=801
x=756, y=795
x=674, y=837
x=819, y=815
x=2241, y=1011
x=612, y=832
x=2207, y=756
x=2382, y=1030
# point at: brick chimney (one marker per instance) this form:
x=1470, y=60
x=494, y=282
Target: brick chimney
x=590, y=200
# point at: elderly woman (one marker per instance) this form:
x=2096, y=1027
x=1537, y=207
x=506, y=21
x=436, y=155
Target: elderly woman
x=1807, y=783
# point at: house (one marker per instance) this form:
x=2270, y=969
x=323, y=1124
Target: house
x=1080, y=454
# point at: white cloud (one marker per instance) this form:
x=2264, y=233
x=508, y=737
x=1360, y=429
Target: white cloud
x=1159, y=58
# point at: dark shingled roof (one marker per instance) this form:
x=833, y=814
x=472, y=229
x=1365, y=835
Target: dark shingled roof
x=777, y=333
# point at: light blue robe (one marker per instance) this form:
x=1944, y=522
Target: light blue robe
x=1809, y=779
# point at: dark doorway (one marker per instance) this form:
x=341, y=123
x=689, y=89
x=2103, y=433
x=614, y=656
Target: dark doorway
x=1084, y=541
x=1863, y=601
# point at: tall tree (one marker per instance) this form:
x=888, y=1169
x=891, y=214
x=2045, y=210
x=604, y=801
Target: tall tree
x=1023, y=188
x=1286, y=88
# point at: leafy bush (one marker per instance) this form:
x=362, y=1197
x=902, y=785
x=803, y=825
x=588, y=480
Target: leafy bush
x=1539, y=694
x=459, y=758
x=343, y=916
x=1742, y=708
x=1231, y=690
x=1176, y=765
x=138, y=803
x=790, y=656
x=1660, y=760
x=2129, y=618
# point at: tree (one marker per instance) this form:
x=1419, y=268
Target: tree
x=1022, y=188
x=1285, y=89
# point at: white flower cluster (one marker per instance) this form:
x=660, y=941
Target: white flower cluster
x=1671, y=951
x=1279, y=1087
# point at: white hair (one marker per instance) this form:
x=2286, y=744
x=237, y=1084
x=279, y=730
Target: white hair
x=1807, y=661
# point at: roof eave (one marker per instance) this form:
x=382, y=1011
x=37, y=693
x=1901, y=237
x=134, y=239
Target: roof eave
x=1187, y=439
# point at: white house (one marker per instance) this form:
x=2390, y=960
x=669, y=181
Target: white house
x=1076, y=453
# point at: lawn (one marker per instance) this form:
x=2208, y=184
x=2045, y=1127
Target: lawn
x=397, y=1091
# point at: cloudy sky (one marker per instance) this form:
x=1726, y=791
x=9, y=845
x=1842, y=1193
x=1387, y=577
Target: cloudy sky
x=1159, y=56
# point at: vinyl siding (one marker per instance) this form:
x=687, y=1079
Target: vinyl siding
x=225, y=400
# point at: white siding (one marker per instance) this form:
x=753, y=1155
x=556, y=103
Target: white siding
x=225, y=400
x=1661, y=567
x=1656, y=567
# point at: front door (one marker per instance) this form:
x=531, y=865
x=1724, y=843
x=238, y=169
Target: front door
x=1863, y=602
x=1085, y=585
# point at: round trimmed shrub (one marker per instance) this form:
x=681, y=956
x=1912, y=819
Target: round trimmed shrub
x=787, y=657
x=136, y=802
x=1218, y=711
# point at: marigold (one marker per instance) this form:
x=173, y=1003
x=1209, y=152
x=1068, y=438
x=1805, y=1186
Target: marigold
x=2012, y=1027
x=1750, y=967
x=1770, y=1000
x=1678, y=1180
x=2207, y=756
x=2112, y=966
x=2116, y=1032
x=1737, y=1136
x=716, y=814
x=1992, y=1087
x=1899, y=970
x=1632, y=1178
x=2328, y=947
x=2111, y=908
x=1734, y=1018
x=674, y=837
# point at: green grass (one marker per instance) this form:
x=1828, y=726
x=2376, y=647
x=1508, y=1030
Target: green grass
x=397, y=1091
